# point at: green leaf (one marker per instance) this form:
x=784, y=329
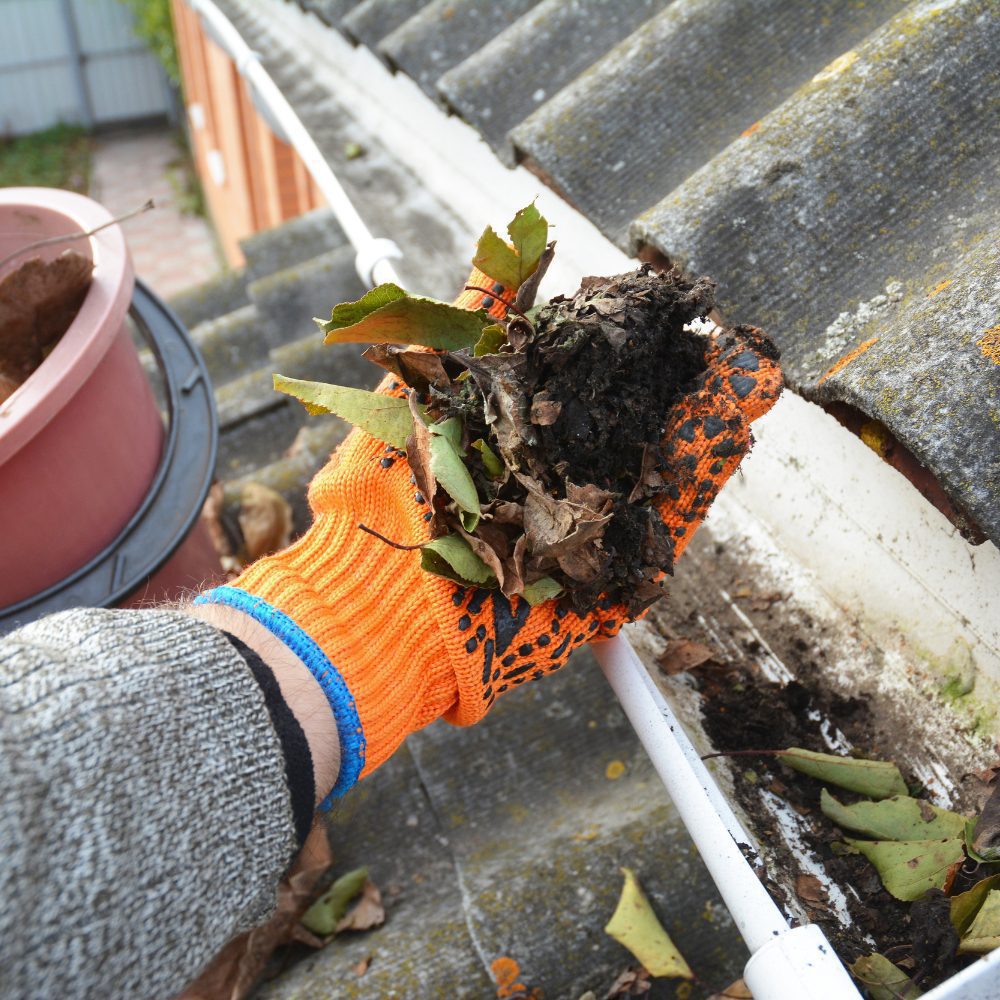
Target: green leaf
x=878, y=779
x=494, y=467
x=883, y=980
x=323, y=916
x=528, y=232
x=452, y=475
x=451, y=429
x=351, y=313
x=898, y=818
x=983, y=934
x=388, y=315
x=634, y=925
x=908, y=868
x=384, y=417
x=966, y=904
x=451, y=557
x=541, y=590
x=493, y=338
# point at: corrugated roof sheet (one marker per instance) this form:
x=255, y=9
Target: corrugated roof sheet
x=832, y=165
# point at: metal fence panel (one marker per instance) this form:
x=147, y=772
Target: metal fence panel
x=74, y=61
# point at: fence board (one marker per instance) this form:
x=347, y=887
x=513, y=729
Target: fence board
x=39, y=85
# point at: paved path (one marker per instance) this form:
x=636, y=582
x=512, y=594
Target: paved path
x=171, y=251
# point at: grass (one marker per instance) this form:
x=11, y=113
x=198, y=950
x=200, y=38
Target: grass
x=58, y=157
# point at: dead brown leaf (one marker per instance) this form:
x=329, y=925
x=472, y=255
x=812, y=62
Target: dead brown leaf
x=545, y=411
x=812, y=892
x=633, y=982
x=525, y=298
x=418, y=453
x=683, y=654
x=557, y=527
x=763, y=602
x=734, y=991
x=265, y=521
x=7, y=387
x=232, y=974
x=212, y=514
x=366, y=913
x=362, y=967
x=38, y=301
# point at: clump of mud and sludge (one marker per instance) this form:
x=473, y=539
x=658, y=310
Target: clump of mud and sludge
x=577, y=403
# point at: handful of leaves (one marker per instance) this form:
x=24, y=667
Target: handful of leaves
x=536, y=440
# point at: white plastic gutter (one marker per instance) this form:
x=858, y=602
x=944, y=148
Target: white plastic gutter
x=786, y=963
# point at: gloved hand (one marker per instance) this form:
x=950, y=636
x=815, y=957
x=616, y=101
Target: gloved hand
x=394, y=647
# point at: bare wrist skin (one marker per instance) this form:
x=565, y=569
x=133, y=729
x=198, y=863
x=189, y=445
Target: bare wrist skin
x=299, y=688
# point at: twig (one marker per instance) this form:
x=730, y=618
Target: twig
x=745, y=753
x=389, y=541
x=70, y=237
x=493, y=295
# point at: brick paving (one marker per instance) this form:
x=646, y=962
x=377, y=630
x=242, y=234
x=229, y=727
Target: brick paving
x=171, y=251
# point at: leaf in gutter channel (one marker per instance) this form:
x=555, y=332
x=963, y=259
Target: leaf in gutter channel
x=882, y=980
x=384, y=417
x=878, y=779
x=635, y=925
x=388, y=315
x=324, y=916
x=908, y=868
x=983, y=934
x=512, y=266
x=451, y=557
x=965, y=905
x=898, y=818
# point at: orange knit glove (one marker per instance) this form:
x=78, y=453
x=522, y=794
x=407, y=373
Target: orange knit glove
x=395, y=647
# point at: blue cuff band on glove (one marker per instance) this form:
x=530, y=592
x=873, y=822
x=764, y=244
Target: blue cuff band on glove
x=345, y=712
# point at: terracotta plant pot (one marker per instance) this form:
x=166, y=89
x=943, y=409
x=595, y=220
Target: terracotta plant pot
x=81, y=439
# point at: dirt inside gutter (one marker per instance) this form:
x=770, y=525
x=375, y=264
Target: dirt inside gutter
x=783, y=675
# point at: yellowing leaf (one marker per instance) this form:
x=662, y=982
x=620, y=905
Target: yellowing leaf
x=512, y=266
x=384, y=417
x=883, y=980
x=388, y=315
x=451, y=557
x=898, y=818
x=908, y=868
x=491, y=341
x=878, y=779
x=323, y=916
x=635, y=926
x=966, y=904
x=983, y=934
x=545, y=589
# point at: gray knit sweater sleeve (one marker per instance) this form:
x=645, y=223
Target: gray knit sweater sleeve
x=144, y=813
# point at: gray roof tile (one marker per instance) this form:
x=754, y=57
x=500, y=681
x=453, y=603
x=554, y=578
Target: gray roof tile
x=677, y=92
x=512, y=75
x=372, y=20
x=444, y=33
x=836, y=218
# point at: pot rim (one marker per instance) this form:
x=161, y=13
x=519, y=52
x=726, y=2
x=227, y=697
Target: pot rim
x=53, y=384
